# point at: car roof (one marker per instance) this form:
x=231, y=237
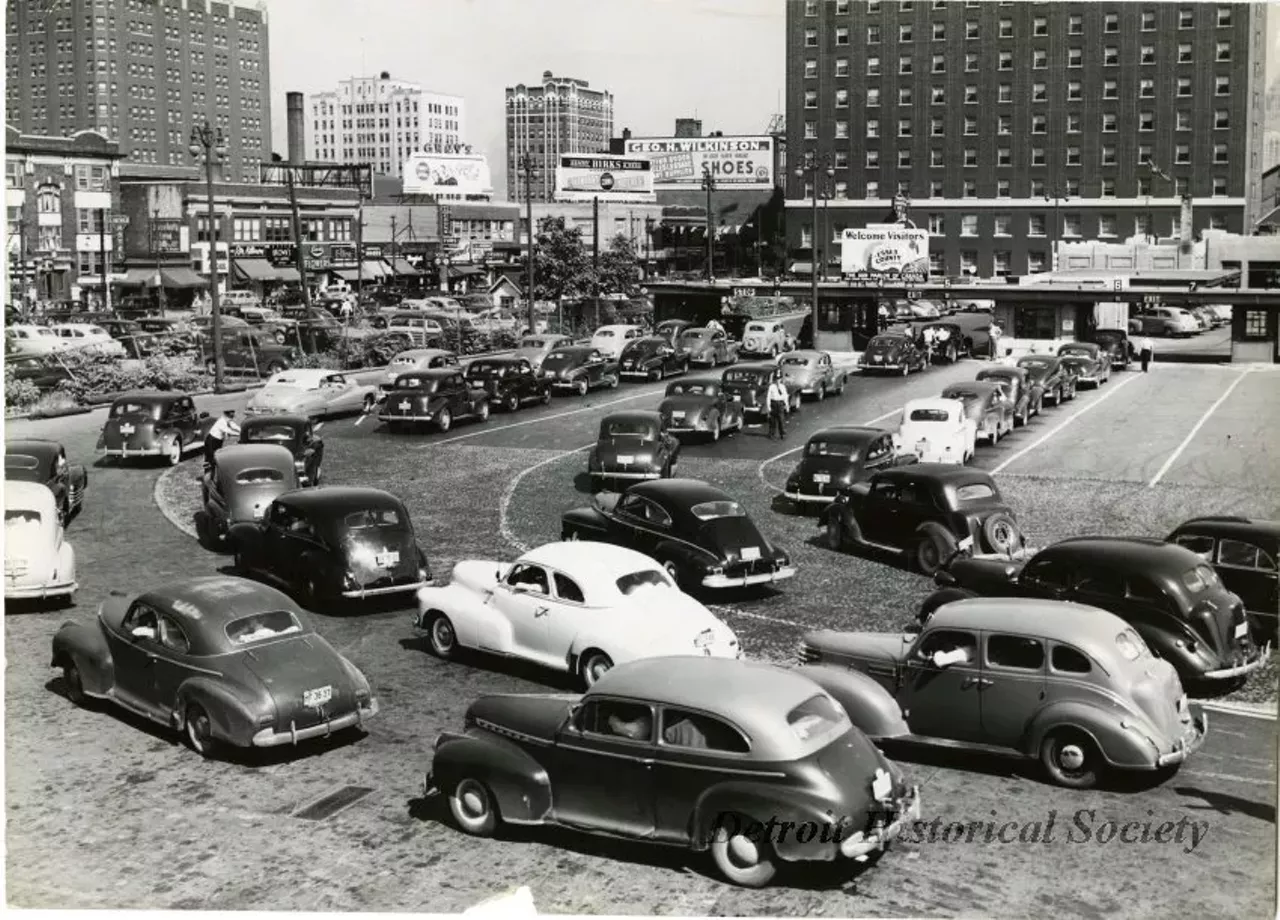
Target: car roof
x=499, y=359
x=240, y=457
x=932, y=402
x=339, y=499
x=647, y=338
x=848, y=434
x=218, y=599
x=421, y=353
x=550, y=338
x=1075, y=624
x=302, y=375
x=949, y=473
x=612, y=326
x=1002, y=371
x=702, y=380
x=684, y=493
x=809, y=354
x=1137, y=554
x=634, y=415
x=24, y=495
x=262, y=421
x=584, y=558
x=40, y=448
x=1088, y=346
x=430, y=373
x=574, y=349
x=971, y=386
x=890, y=335
x=755, y=367
x=1233, y=526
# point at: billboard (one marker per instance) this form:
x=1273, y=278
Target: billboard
x=885, y=250
x=736, y=162
x=457, y=174
x=582, y=177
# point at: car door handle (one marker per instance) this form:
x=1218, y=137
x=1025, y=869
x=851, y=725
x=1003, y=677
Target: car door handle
x=541, y=611
x=978, y=682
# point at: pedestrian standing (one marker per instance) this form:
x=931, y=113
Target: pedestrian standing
x=994, y=332
x=222, y=429
x=1146, y=351
x=777, y=400
x=930, y=339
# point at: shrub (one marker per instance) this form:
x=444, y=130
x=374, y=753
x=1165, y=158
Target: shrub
x=19, y=395
x=95, y=377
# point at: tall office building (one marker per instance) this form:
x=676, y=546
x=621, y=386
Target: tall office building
x=561, y=115
x=142, y=74
x=381, y=121
x=1009, y=126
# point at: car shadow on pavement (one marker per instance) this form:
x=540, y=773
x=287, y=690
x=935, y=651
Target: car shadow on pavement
x=27, y=605
x=1226, y=804
x=518, y=668
x=785, y=506
x=900, y=561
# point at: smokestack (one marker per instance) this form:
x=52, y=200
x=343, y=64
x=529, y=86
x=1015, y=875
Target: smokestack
x=295, y=127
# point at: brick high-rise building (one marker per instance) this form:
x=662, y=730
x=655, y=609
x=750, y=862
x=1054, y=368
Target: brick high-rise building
x=142, y=74
x=1009, y=126
x=557, y=117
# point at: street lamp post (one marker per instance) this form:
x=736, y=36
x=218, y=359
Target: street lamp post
x=811, y=168
x=526, y=166
x=709, y=183
x=155, y=251
x=648, y=244
x=204, y=141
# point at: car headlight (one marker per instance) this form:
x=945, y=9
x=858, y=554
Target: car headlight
x=349, y=582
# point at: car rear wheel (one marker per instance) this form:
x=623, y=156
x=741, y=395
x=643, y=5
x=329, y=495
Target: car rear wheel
x=546, y=396
x=835, y=533
x=932, y=549
x=173, y=451
x=1070, y=758
x=581, y=386
x=473, y=808
x=613, y=381
x=906, y=368
x=276, y=367
x=482, y=413
x=369, y=404
x=743, y=858
x=715, y=429
x=593, y=666
x=199, y=730
x=441, y=636
x=444, y=421
x=822, y=392
x=211, y=367
x=73, y=684
x=513, y=402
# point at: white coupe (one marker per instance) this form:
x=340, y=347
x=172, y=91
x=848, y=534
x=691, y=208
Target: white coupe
x=937, y=431
x=38, y=562
x=314, y=393
x=578, y=606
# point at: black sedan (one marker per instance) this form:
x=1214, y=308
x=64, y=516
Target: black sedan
x=333, y=542
x=1053, y=377
x=1089, y=362
x=652, y=358
x=633, y=445
x=579, y=368
x=699, y=534
x=294, y=432
x=44, y=372
x=1244, y=553
x=510, y=382
x=1116, y=343
x=45, y=462
x=892, y=353
x=835, y=458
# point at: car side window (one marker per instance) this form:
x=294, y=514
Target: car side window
x=944, y=641
x=1144, y=589
x=141, y=622
x=656, y=515
x=1241, y=555
x=1100, y=582
x=1048, y=573
x=1068, y=660
x=617, y=719
x=533, y=575
x=172, y=637
x=1015, y=652
x=695, y=730
x=633, y=506
x=567, y=589
x=885, y=491
x=879, y=450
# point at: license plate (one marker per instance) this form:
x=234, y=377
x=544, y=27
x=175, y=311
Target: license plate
x=258, y=512
x=877, y=358
x=1242, y=630
x=881, y=785
x=317, y=697
x=626, y=458
x=821, y=477
x=750, y=553
x=677, y=415
x=737, y=397
x=386, y=559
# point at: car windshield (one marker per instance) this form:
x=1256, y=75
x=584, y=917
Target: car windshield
x=1201, y=578
x=741, y=376
x=1131, y=645
x=815, y=717
x=930, y=415
x=403, y=361
x=840, y=449
x=533, y=343
x=965, y=395
x=257, y=476
x=636, y=428
x=135, y=408
x=975, y=492
x=1075, y=350
x=262, y=626
x=793, y=361
x=372, y=517
x=1033, y=362
x=711, y=511
x=642, y=582
x=695, y=334
x=20, y=462
x=294, y=382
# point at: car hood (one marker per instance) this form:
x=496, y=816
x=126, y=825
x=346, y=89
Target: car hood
x=289, y=667
x=538, y=715
x=282, y=398
x=848, y=647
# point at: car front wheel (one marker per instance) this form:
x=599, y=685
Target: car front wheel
x=444, y=420
x=473, y=808
x=173, y=453
x=581, y=386
x=595, y=664
x=1070, y=758
x=742, y=852
x=441, y=636
x=199, y=730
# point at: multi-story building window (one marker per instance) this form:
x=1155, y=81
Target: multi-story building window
x=873, y=128
x=935, y=188
x=1035, y=225
x=89, y=220
x=873, y=97
x=969, y=261
x=1002, y=263
x=873, y=159
x=937, y=224
x=1071, y=224
x=968, y=224
x=873, y=189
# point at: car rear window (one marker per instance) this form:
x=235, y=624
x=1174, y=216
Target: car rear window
x=532, y=343
x=130, y=408
x=619, y=429
x=417, y=383
x=639, y=582
x=372, y=517
x=1201, y=578
x=252, y=477
x=795, y=362
x=262, y=626
x=930, y=415
x=974, y=491
x=691, y=389
x=20, y=462
x=741, y=377
x=695, y=334
x=832, y=449
x=756, y=327
x=18, y=519
x=1131, y=645
x=604, y=334
x=816, y=716
x=710, y=511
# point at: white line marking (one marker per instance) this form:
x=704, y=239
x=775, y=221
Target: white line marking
x=509, y=492
x=788, y=453
x=1194, y=431
x=735, y=612
x=483, y=430
x=1034, y=444
x=1230, y=778
x=1236, y=709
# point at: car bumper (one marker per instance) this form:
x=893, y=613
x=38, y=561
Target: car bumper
x=48, y=589
x=269, y=737
x=860, y=844
x=1239, y=670
x=636, y=373
x=405, y=418
x=378, y=592
x=882, y=367
x=610, y=474
x=1189, y=743
x=805, y=497
x=738, y=581
x=134, y=451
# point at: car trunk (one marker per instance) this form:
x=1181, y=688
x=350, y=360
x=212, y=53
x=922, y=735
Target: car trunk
x=537, y=715
x=1157, y=691
x=749, y=393
x=133, y=431
x=300, y=673
x=381, y=557
x=1217, y=621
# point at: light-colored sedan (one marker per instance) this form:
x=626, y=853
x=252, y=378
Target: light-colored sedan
x=88, y=338
x=34, y=340
x=415, y=359
x=38, y=562
x=574, y=606
x=813, y=373
x=535, y=348
x=312, y=393
x=937, y=431
x=610, y=340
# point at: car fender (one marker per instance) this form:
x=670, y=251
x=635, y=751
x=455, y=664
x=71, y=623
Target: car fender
x=66, y=562
x=229, y=714
x=586, y=518
x=84, y=645
x=773, y=808
x=1119, y=746
x=518, y=782
x=683, y=552
x=78, y=477
x=246, y=538
x=476, y=623
x=870, y=707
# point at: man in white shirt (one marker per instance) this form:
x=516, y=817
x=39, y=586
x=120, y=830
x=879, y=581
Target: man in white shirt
x=1146, y=351
x=777, y=400
x=222, y=429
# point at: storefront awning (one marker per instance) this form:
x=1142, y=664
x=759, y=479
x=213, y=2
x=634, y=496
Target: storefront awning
x=401, y=267
x=288, y=274
x=135, y=277
x=465, y=271
x=182, y=277
x=255, y=270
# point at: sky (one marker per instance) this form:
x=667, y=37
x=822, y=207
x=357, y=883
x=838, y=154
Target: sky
x=718, y=60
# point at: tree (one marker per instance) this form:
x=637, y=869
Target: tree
x=619, y=271
x=562, y=262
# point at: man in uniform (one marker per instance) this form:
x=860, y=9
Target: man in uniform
x=776, y=402
x=222, y=429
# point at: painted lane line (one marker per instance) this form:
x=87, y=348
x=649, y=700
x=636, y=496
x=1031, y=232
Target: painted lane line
x=509, y=493
x=1230, y=778
x=788, y=453
x=1194, y=431
x=734, y=611
x=1247, y=710
x=1047, y=435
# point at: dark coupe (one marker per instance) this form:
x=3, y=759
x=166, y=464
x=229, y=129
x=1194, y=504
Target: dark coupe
x=45, y=462
x=633, y=445
x=1026, y=396
x=435, y=396
x=699, y=534
x=835, y=458
x=294, y=432
x=1089, y=362
x=240, y=486
x=699, y=405
x=580, y=368
x=1053, y=377
x=986, y=405
x=333, y=542
x=892, y=353
x=510, y=382
x=153, y=424
x=748, y=385
x=1244, y=552
x=652, y=357
x=222, y=659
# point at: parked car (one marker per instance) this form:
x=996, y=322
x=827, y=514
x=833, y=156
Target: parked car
x=986, y=405
x=1053, y=377
x=1087, y=361
x=700, y=405
x=510, y=382
x=894, y=353
x=173, y=336
x=137, y=342
x=633, y=445
x=45, y=462
x=421, y=330
x=1243, y=551
x=601, y=606
x=580, y=368
x=699, y=534
x=240, y=486
x=437, y=396
x=296, y=433
x=835, y=458
x=611, y=340
x=672, y=330
x=652, y=357
x=1071, y=686
x=222, y=659
x=316, y=393
x=415, y=359
x=34, y=340
x=333, y=542
x=765, y=339
x=949, y=341
x=720, y=747
x=711, y=347
x=39, y=563
x=937, y=431
x=154, y=424
x=1116, y=343
x=813, y=372
x=89, y=338
x=245, y=348
x=537, y=347
x=44, y=372
x=1204, y=316
x=927, y=513
x=1167, y=321
x=748, y=385
x=907, y=311
x=1167, y=593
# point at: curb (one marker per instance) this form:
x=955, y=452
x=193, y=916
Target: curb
x=166, y=509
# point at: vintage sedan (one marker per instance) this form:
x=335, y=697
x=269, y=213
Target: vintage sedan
x=611, y=340
x=672, y=330
x=711, y=347
x=599, y=606
x=510, y=382
x=711, y=753
x=1167, y=593
x=45, y=462
x=986, y=405
x=765, y=339
x=223, y=660
x=1243, y=551
x=949, y=343
x=699, y=534
x=1052, y=376
x=314, y=393
x=748, y=385
x=415, y=359
x=293, y=432
x=580, y=368
x=536, y=347
x=1087, y=361
x=1071, y=686
x=153, y=424
x=333, y=542
x=892, y=353
x=1026, y=396
x=813, y=373
x=633, y=445
x=699, y=405
x=38, y=561
x=1116, y=343
x=436, y=397
x=835, y=458
x=938, y=431
x=242, y=483
x=927, y=513
x=652, y=357
x=44, y=372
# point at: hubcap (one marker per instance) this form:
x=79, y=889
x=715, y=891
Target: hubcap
x=442, y=633
x=473, y=799
x=1071, y=757
x=928, y=553
x=1003, y=535
x=743, y=851
x=597, y=668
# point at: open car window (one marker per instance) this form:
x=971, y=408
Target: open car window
x=817, y=716
x=638, y=584
x=261, y=627
x=372, y=517
x=710, y=511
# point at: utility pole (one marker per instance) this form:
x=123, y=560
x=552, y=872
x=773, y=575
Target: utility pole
x=301, y=258
x=709, y=183
x=360, y=247
x=595, y=252
x=203, y=140
x=393, y=241
x=526, y=165
x=102, y=254
x=155, y=248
